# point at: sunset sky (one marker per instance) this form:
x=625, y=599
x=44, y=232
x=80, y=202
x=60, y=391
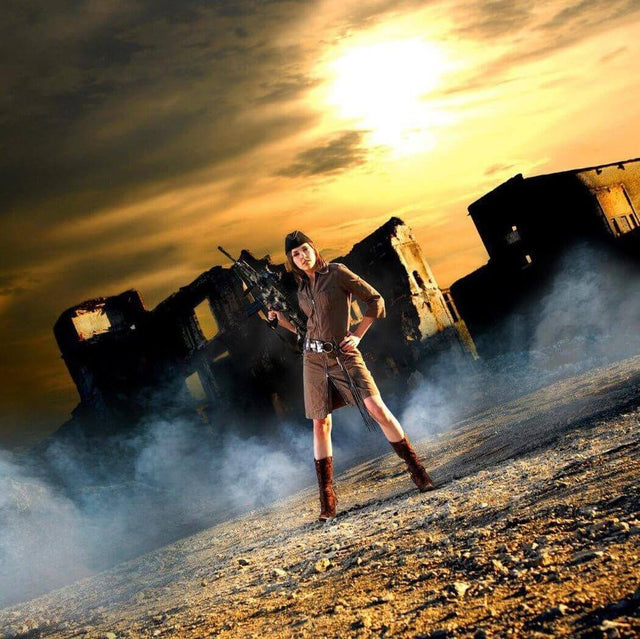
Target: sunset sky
x=137, y=136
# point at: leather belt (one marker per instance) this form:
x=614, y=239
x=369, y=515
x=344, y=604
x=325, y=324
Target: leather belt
x=318, y=346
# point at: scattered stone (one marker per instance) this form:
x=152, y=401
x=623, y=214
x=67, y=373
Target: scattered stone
x=204, y=583
x=618, y=527
x=386, y=598
x=604, y=632
x=459, y=588
x=586, y=555
x=279, y=573
x=322, y=565
x=352, y=561
x=243, y=561
x=553, y=613
x=363, y=621
x=499, y=567
x=540, y=558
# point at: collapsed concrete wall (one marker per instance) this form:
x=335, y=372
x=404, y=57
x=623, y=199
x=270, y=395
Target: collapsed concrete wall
x=201, y=350
x=420, y=324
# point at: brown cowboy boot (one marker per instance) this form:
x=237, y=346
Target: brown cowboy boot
x=328, y=497
x=419, y=475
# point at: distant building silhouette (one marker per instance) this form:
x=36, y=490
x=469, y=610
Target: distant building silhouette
x=526, y=224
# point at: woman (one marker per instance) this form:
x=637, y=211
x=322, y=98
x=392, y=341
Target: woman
x=324, y=294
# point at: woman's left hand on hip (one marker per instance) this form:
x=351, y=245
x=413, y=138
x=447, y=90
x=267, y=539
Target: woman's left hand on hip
x=349, y=343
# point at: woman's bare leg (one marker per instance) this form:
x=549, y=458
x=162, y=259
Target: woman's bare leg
x=400, y=444
x=385, y=418
x=322, y=437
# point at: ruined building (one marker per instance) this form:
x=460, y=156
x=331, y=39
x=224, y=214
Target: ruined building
x=200, y=349
x=526, y=225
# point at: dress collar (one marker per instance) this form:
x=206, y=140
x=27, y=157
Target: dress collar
x=322, y=271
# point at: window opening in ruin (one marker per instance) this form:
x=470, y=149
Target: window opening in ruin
x=513, y=236
x=418, y=279
x=91, y=322
x=221, y=356
x=528, y=260
x=448, y=300
x=206, y=320
x=616, y=207
x=195, y=387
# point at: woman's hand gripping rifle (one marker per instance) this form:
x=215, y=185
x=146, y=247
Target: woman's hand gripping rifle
x=264, y=286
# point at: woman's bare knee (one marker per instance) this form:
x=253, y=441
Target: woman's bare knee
x=377, y=408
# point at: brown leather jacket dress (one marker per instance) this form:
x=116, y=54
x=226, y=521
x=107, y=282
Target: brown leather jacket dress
x=327, y=305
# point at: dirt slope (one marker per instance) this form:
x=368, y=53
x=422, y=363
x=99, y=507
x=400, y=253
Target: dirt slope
x=533, y=531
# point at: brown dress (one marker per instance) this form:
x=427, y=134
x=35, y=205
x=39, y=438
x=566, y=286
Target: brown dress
x=327, y=304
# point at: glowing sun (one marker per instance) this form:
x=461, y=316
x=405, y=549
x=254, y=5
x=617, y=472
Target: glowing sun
x=382, y=86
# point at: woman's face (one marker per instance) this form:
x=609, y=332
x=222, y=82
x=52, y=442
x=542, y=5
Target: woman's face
x=304, y=257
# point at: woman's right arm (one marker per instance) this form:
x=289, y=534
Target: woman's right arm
x=282, y=320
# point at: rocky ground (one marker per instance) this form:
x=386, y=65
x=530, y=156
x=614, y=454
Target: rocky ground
x=534, y=530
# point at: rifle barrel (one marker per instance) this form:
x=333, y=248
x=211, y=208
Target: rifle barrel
x=227, y=254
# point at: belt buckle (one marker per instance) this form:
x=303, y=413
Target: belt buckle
x=327, y=347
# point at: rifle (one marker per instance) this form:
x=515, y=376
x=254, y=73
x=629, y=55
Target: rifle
x=264, y=286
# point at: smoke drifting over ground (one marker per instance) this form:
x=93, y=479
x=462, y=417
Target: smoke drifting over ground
x=586, y=316
x=172, y=479
x=590, y=314
x=87, y=507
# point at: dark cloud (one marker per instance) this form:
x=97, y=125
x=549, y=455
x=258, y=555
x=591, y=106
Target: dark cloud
x=106, y=101
x=11, y=284
x=590, y=13
x=531, y=41
x=342, y=152
x=498, y=168
x=486, y=20
x=612, y=55
x=286, y=89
